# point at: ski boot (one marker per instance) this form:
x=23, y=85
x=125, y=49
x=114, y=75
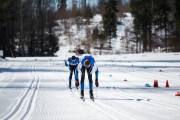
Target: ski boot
x=82, y=94
x=91, y=95
x=69, y=84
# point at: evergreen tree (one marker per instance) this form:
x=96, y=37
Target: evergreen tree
x=162, y=9
x=88, y=13
x=143, y=18
x=101, y=6
x=8, y=27
x=98, y=38
x=148, y=13
x=74, y=4
x=109, y=20
x=51, y=46
x=177, y=16
x=63, y=4
x=84, y=3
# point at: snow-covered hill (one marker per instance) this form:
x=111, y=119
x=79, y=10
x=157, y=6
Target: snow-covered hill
x=73, y=33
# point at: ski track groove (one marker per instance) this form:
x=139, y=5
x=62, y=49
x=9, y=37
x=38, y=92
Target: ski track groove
x=152, y=102
x=27, y=100
x=158, y=102
x=77, y=94
x=126, y=114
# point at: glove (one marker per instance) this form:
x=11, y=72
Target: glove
x=77, y=83
x=97, y=83
x=65, y=63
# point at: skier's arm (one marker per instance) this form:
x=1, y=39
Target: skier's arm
x=96, y=74
x=95, y=69
x=76, y=74
x=65, y=62
x=77, y=71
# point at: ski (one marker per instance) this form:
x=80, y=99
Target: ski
x=92, y=99
x=82, y=98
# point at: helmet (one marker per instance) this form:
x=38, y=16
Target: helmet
x=87, y=63
x=73, y=58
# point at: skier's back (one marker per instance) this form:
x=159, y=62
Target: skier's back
x=87, y=62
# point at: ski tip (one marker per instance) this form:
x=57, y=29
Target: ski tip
x=83, y=99
x=92, y=99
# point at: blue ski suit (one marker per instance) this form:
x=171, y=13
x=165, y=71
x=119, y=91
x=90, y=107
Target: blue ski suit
x=81, y=67
x=72, y=67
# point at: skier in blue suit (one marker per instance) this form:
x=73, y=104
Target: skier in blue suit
x=87, y=62
x=73, y=62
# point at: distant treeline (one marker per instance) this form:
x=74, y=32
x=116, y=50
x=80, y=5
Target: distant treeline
x=156, y=24
x=26, y=25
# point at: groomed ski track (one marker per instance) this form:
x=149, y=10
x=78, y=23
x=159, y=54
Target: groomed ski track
x=41, y=92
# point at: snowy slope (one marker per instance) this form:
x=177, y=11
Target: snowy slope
x=37, y=89
x=72, y=33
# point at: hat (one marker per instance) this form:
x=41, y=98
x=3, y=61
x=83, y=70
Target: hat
x=87, y=63
x=73, y=58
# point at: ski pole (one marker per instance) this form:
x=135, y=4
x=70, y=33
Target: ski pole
x=96, y=91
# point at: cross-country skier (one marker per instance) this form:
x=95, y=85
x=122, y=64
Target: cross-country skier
x=87, y=63
x=73, y=62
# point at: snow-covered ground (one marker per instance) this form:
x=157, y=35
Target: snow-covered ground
x=37, y=89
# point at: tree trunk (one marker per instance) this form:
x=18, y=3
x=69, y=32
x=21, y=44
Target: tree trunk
x=21, y=42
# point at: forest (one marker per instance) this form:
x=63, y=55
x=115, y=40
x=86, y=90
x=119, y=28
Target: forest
x=26, y=26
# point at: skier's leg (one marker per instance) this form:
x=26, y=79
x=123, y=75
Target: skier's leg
x=82, y=81
x=74, y=70
x=70, y=76
x=90, y=82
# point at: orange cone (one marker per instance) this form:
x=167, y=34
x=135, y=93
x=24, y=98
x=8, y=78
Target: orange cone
x=155, y=83
x=167, y=83
x=177, y=94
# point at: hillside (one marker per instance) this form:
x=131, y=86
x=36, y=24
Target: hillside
x=73, y=35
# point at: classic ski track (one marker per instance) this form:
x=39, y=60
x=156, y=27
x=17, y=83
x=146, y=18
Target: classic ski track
x=170, y=106
x=152, y=102
x=56, y=72
x=139, y=98
x=123, y=113
x=145, y=75
x=64, y=78
x=25, y=103
x=145, y=99
x=157, y=103
x=113, y=110
x=90, y=102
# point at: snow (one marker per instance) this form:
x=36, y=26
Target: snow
x=37, y=88
x=77, y=33
x=97, y=18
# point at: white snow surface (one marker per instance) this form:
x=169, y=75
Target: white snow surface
x=37, y=88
